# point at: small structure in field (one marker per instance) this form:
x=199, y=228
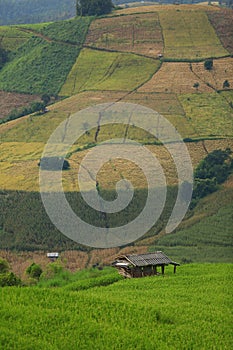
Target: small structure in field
x=143, y=264
x=53, y=256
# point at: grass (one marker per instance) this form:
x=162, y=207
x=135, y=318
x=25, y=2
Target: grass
x=71, y=31
x=12, y=38
x=98, y=70
x=139, y=34
x=209, y=114
x=189, y=35
x=188, y=312
x=39, y=67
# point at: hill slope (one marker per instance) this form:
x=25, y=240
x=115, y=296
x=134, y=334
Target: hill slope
x=92, y=61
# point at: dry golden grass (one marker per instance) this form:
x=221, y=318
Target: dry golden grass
x=174, y=77
x=155, y=8
x=26, y=173
x=222, y=70
x=138, y=34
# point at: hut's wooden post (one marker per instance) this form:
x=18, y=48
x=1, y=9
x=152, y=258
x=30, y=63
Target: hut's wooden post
x=162, y=267
x=174, y=269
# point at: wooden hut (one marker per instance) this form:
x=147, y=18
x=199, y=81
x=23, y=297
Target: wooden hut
x=143, y=264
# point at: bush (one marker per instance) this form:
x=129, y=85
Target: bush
x=54, y=163
x=9, y=279
x=4, y=266
x=208, y=64
x=34, y=271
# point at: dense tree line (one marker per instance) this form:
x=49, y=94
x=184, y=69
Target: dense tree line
x=94, y=7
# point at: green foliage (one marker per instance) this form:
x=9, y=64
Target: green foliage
x=4, y=266
x=187, y=311
x=20, y=112
x=226, y=84
x=9, y=279
x=93, y=7
x=39, y=67
x=208, y=64
x=34, y=271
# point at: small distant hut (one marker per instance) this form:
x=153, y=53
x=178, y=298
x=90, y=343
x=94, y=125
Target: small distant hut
x=143, y=264
x=53, y=256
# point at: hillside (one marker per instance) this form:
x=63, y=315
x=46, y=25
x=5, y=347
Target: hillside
x=189, y=310
x=152, y=56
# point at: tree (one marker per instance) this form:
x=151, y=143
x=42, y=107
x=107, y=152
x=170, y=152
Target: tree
x=208, y=64
x=34, y=271
x=4, y=266
x=226, y=84
x=93, y=7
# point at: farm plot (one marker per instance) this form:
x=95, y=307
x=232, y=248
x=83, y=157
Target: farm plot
x=11, y=38
x=98, y=70
x=222, y=21
x=136, y=33
x=175, y=77
x=9, y=101
x=221, y=72
x=209, y=114
x=164, y=103
x=189, y=35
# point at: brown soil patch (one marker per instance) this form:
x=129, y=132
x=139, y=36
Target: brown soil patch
x=10, y=100
x=138, y=34
x=222, y=21
x=222, y=70
x=175, y=77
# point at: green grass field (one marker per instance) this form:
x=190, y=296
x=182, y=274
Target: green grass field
x=209, y=114
x=98, y=70
x=12, y=38
x=189, y=35
x=189, y=310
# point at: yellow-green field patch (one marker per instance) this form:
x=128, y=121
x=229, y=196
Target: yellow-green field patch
x=135, y=33
x=189, y=35
x=98, y=70
x=209, y=114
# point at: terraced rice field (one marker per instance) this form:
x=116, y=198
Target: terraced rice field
x=139, y=34
x=189, y=35
x=98, y=70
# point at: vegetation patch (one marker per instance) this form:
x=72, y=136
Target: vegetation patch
x=209, y=114
x=39, y=67
x=106, y=315
x=11, y=38
x=139, y=34
x=189, y=35
x=98, y=70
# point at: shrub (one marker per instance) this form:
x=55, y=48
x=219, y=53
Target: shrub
x=34, y=271
x=208, y=64
x=4, y=266
x=9, y=279
x=53, y=163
